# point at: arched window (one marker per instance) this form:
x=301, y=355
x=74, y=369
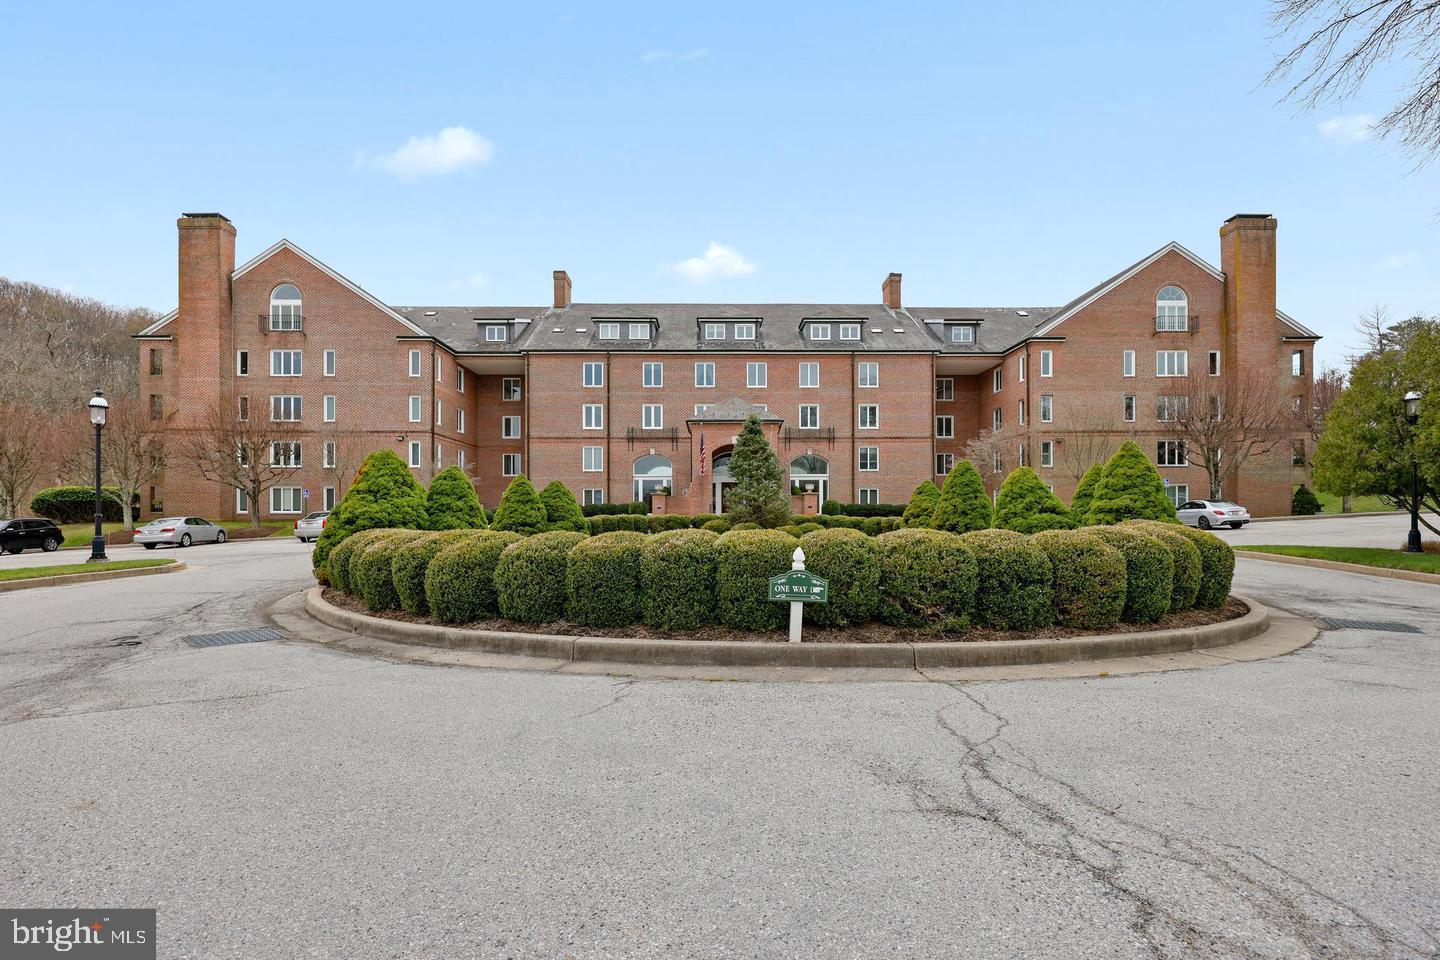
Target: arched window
x=810, y=472
x=285, y=307
x=652, y=472
x=1172, y=309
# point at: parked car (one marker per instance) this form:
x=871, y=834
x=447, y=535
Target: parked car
x=1213, y=513
x=26, y=534
x=309, y=527
x=179, y=532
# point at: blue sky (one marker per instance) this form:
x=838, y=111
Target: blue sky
x=1001, y=154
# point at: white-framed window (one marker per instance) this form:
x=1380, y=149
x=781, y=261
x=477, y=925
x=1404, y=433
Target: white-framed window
x=1171, y=453
x=439, y=456
x=242, y=363
x=945, y=427
x=870, y=495
x=1178, y=493
x=286, y=500
x=1171, y=363
x=756, y=375
x=439, y=369
x=1172, y=310
x=944, y=463
x=997, y=419
x=415, y=409
x=1127, y=364
x=1021, y=421
x=849, y=331
x=510, y=388
x=1168, y=409
x=459, y=419
x=701, y=408
x=705, y=374
x=285, y=408
x=652, y=416
x=653, y=374
x=1047, y=363
x=809, y=374
x=460, y=379
x=414, y=363
x=1047, y=408
x=510, y=428
x=962, y=333
x=328, y=498
x=869, y=373
x=944, y=388
x=1214, y=363
x=592, y=416
x=413, y=451
x=592, y=459
x=285, y=363
x=1297, y=363
x=996, y=380
x=997, y=465
x=439, y=413
x=510, y=465
x=285, y=453
x=242, y=408
x=1047, y=453
x=327, y=455
x=869, y=459
x=591, y=496
x=809, y=416
x=594, y=374
x=1020, y=366
x=328, y=362
x=329, y=408
x=869, y=417
x=496, y=333
x=605, y=331
x=1130, y=409
x=744, y=331
x=1023, y=454
x=285, y=305
x=639, y=331
x=817, y=331
x=714, y=331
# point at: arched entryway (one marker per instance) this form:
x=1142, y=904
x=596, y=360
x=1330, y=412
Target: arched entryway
x=651, y=473
x=810, y=472
x=721, y=482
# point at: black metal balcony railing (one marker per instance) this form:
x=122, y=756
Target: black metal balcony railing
x=270, y=324
x=792, y=435
x=634, y=435
x=1192, y=324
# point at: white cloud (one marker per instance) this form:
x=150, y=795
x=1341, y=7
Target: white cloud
x=717, y=261
x=1399, y=262
x=675, y=56
x=1352, y=129
x=452, y=149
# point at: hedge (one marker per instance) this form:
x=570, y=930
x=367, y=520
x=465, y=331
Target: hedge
x=610, y=509
x=385, y=494
x=873, y=509
x=1217, y=567
x=460, y=581
x=530, y=577
x=678, y=571
x=1188, y=566
x=1025, y=505
x=562, y=510
x=927, y=579
x=603, y=585
x=371, y=577
x=411, y=561
x=339, y=562
x=77, y=504
x=745, y=560
x=451, y=504
x=850, y=562
x=1013, y=580
x=719, y=525
x=1088, y=579
x=1149, y=571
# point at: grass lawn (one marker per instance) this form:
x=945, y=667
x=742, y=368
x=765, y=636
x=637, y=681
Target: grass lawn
x=30, y=573
x=1366, y=504
x=79, y=534
x=1369, y=556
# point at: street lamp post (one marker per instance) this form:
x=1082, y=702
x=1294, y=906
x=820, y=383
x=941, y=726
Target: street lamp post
x=1412, y=417
x=99, y=407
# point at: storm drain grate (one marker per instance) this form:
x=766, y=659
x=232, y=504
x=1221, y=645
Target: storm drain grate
x=1382, y=626
x=227, y=637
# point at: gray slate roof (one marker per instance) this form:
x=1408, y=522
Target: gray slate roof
x=734, y=408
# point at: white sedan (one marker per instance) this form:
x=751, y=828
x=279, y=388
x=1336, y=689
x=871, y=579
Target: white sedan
x=1212, y=513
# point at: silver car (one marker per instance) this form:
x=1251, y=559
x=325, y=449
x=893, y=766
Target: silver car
x=178, y=532
x=1212, y=513
x=310, y=526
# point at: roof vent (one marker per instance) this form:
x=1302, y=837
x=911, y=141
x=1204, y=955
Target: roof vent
x=557, y=329
x=431, y=313
x=582, y=329
x=897, y=330
x=876, y=330
x=1022, y=313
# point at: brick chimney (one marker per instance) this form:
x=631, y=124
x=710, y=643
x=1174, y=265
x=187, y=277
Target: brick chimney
x=1247, y=258
x=562, y=289
x=890, y=291
x=202, y=324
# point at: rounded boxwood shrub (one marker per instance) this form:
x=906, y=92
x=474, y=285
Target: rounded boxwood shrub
x=850, y=562
x=1188, y=567
x=678, y=571
x=520, y=509
x=1217, y=567
x=72, y=504
x=791, y=528
x=602, y=580
x=1013, y=580
x=338, y=565
x=530, y=577
x=451, y=504
x=745, y=560
x=1149, y=571
x=964, y=505
x=410, y=563
x=562, y=510
x=1088, y=585
x=927, y=579
x=460, y=581
x=718, y=525
x=371, y=576
x=1025, y=505
x=810, y=528
x=385, y=494
x=746, y=525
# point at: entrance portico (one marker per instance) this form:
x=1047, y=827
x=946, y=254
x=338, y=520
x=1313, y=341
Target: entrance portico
x=713, y=433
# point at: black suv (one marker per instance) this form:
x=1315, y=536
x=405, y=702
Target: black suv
x=18, y=535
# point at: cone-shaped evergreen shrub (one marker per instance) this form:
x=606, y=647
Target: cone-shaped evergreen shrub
x=460, y=581
x=371, y=575
x=520, y=509
x=1217, y=567
x=412, y=561
x=1013, y=584
x=385, y=494
x=1129, y=489
x=338, y=565
x=1026, y=505
x=678, y=571
x=1304, y=503
x=850, y=562
x=1149, y=571
x=1088, y=585
x=451, y=504
x=922, y=505
x=927, y=579
x=761, y=493
x=1085, y=493
x=530, y=576
x=745, y=560
x=964, y=506
x=562, y=511
x=1185, y=586
x=602, y=577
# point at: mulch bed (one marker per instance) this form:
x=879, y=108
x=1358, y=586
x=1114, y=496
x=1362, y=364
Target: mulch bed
x=870, y=633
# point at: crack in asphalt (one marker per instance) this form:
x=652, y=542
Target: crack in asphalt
x=627, y=687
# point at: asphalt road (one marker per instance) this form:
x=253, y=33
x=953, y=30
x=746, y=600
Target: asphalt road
x=282, y=800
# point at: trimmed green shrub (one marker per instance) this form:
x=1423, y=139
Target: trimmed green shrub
x=1013, y=580
x=746, y=526
x=1085, y=493
x=792, y=529
x=530, y=577
x=562, y=510
x=678, y=573
x=371, y=576
x=922, y=505
x=832, y=508
x=1188, y=566
x=410, y=563
x=520, y=509
x=927, y=579
x=1088, y=583
x=460, y=581
x=610, y=524
x=1129, y=489
x=1217, y=567
x=719, y=525
x=1304, y=503
x=1149, y=571
x=873, y=509
x=668, y=521
x=700, y=519
x=809, y=528
x=1025, y=505
x=850, y=562
x=602, y=580
x=385, y=494
x=964, y=505
x=338, y=565
x=73, y=504
x=451, y=504
x=745, y=560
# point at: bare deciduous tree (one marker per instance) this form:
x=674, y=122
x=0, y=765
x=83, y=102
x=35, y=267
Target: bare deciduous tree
x=991, y=450
x=346, y=450
x=132, y=453
x=247, y=455
x=1226, y=423
x=24, y=454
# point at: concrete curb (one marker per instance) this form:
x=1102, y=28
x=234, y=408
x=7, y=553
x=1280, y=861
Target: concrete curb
x=63, y=579
x=1414, y=576
x=1331, y=516
x=694, y=653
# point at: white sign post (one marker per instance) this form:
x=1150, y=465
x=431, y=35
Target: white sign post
x=796, y=607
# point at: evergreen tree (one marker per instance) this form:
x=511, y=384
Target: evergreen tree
x=922, y=505
x=451, y=504
x=385, y=494
x=1130, y=488
x=964, y=505
x=1026, y=505
x=1304, y=503
x=562, y=511
x=1085, y=492
x=520, y=509
x=760, y=495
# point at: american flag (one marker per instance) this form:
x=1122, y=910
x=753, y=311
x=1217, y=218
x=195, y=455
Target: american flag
x=702, y=454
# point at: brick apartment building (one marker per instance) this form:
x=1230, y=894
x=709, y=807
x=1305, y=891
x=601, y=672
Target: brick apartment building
x=618, y=400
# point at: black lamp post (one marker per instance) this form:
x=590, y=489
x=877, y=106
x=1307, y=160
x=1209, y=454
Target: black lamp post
x=99, y=407
x=1412, y=417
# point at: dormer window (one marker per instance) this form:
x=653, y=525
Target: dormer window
x=849, y=331
x=962, y=333
x=714, y=331
x=817, y=331
x=496, y=333
x=607, y=331
x=639, y=331
x=285, y=307
x=1172, y=310
x=744, y=331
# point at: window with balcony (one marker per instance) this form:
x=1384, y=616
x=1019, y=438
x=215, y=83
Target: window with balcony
x=652, y=416
x=809, y=416
x=1172, y=310
x=285, y=307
